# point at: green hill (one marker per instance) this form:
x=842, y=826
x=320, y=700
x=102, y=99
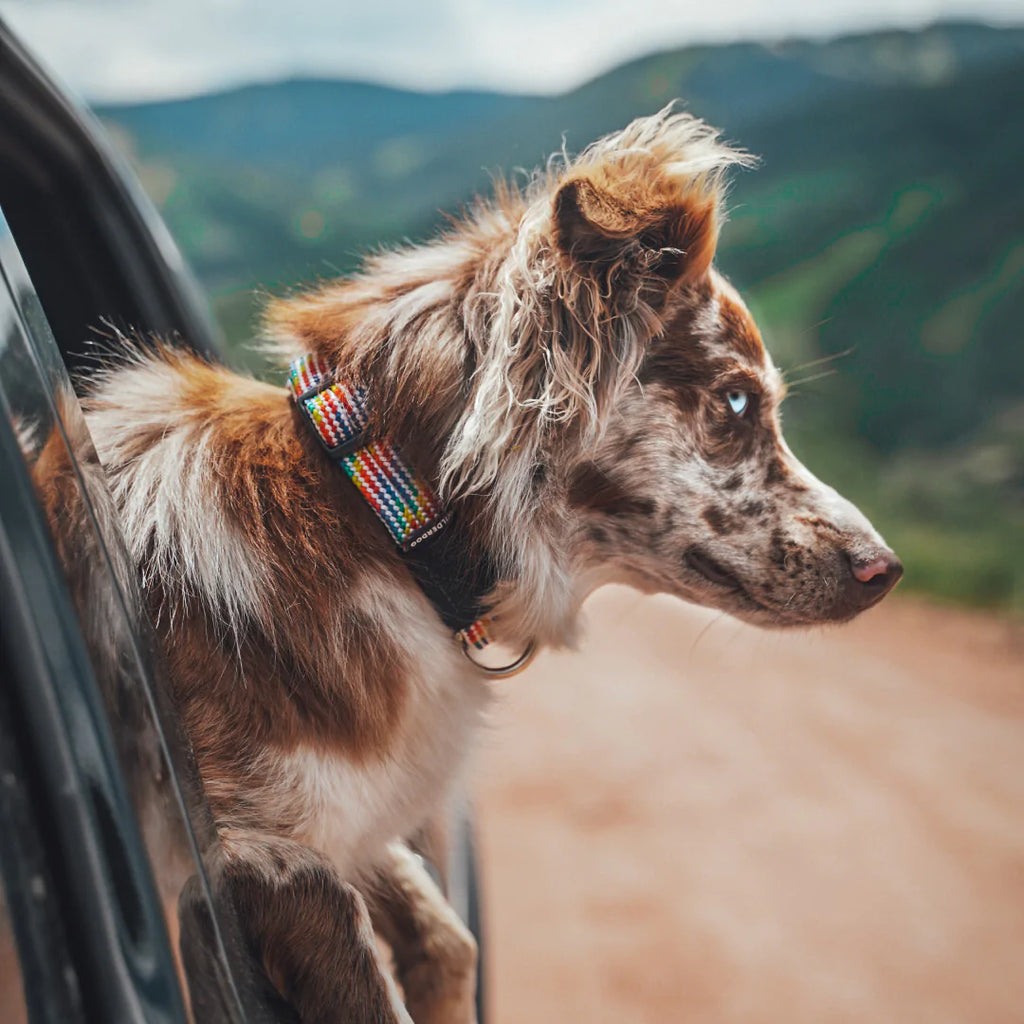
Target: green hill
x=885, y=226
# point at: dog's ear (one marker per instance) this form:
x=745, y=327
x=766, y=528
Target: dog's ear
x=645, y=204
x=606, y=222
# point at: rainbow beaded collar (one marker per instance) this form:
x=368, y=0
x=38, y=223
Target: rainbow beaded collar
x=403, y=501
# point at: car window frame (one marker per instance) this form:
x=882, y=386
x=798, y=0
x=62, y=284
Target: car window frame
x=116, y=936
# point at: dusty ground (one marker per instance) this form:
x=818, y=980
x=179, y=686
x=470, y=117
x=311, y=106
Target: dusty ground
x=692, y=820
x=695, y=821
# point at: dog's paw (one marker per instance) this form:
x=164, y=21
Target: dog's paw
x=443, y=990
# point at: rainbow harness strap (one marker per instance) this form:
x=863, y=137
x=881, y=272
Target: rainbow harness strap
x=403, y=501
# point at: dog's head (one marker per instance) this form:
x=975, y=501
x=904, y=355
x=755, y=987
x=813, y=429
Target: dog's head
x=691, y=487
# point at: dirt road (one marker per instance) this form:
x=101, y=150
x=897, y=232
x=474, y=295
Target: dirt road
x=692, y=820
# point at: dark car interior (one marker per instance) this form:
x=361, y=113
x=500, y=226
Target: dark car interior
x=90, y=258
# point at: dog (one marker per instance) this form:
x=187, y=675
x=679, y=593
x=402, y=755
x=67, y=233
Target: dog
x=589, y=397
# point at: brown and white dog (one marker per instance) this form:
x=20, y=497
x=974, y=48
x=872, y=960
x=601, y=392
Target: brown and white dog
x=571, y=372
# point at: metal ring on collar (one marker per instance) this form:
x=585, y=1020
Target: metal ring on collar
x=504, y=671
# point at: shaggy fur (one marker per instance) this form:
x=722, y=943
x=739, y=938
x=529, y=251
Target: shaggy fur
x=560, y=364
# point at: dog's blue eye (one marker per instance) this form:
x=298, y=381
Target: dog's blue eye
x=738, y=401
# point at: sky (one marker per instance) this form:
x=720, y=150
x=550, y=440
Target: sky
x=121, y=50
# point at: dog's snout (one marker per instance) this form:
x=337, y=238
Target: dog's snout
x=872, y=577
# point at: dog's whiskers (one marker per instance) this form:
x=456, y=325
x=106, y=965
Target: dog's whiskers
x=831, y=358
x=700, y=636
x=792, y=385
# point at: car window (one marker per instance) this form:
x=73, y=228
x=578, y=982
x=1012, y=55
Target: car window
x=153, y=793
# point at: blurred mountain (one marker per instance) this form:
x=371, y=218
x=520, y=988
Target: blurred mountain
x=885, y=226
x=302, y=123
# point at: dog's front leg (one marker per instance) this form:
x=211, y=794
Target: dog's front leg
x=309, y=929
x=434, y=952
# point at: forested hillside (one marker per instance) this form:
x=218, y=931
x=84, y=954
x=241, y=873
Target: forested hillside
x=884, y=226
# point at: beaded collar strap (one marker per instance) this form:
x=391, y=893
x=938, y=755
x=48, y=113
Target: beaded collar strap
x=405, y=503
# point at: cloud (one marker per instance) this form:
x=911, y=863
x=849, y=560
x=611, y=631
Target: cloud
x=121, y=50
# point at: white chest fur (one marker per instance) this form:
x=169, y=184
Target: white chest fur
x=349, y=810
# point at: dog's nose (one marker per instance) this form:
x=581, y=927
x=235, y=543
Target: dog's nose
x=872, y=577
x=870, y=571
